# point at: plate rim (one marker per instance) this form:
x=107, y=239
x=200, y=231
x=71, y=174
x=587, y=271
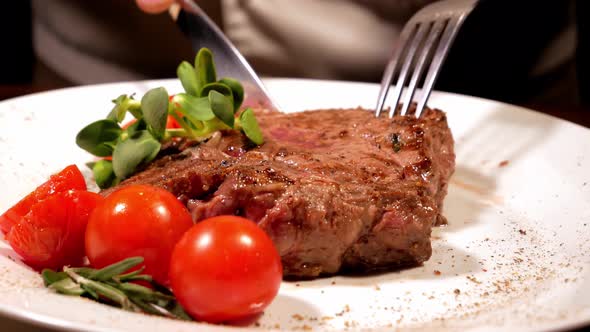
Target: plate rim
x=48, y=321
x=271, y=80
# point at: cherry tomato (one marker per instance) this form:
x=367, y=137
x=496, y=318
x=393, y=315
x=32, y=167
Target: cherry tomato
x=69, y=178
x=225, y=268
x=137, y=220
x=171, y=123
x=51, y=234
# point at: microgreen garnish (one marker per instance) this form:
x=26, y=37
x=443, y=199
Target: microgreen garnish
x=99, y=137
x=237, y=91
x=250, y=126
x=222, y=107
x=103, y=173
x=188, y=78
x=139, y=148
x=113, y=286
x=208, y=105
x=155, y=110
x=124, y=104
x=206, y=72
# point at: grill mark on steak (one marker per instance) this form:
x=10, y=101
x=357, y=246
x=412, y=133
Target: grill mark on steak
x=334, y=189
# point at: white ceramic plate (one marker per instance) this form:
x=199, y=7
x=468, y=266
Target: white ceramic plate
x=516, y=253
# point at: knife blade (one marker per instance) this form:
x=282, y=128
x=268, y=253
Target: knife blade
x=203, y=32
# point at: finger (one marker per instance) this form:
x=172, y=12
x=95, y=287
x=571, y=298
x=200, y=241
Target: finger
x=154, y=6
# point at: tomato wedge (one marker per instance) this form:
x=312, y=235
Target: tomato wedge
x=67, y=179
x=52, y=234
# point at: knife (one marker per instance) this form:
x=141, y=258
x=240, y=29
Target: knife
x=203, y=32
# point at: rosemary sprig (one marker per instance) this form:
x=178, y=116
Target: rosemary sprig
x=112, y=285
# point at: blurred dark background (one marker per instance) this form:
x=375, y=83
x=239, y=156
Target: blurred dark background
x=16, y=57
x=498, y=54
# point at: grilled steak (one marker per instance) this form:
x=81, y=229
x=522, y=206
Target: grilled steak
x=334, y=189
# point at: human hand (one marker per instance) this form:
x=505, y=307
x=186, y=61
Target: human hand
x=154, y=6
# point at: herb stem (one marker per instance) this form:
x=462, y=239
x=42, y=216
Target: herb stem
x=134, y=107
x=105, y=290
x=109, y=285
x=181, y=122
x=112, y=270
x=68, y=287
x=177, y=132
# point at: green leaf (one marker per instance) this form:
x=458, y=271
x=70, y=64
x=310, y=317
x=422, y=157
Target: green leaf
x=139, y=148
x=50, y=276
x=219, y=87
x=96, y=288
x=222, y=107
x=99, y=137
x=178, y=311
x=144, y=277
x=136, y=126
x=155, y=109
x=133, y=275
x=146, y=307
x=93, y=294
x=250, y=126
x=143, y=292
x=124, y=103
x=118, y=113
x=83, y=271
x=195, y=109
x=205, y=67
x=103, y=173
x=205, y=128
x=115, y=269
x=237, y=91
x=68, y=287
x=188, y=77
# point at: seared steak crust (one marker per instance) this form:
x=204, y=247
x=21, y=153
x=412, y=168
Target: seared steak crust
x=334, y=189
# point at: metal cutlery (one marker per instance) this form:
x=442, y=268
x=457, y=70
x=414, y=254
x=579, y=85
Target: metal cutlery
x=433, y=28
x=203, y=32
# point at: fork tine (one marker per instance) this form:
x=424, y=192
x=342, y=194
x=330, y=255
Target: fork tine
x=417, y=40
x=441, y=53
x=390, y=70
x=429, y=46
x=439, y=23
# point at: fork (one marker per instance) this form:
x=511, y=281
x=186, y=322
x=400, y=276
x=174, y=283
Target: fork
x=434, y=26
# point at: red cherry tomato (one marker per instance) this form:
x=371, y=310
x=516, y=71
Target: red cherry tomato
x=224, y=269
x=172, y=123
x=137, y=220
x=69, y=178
x=51, y=235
